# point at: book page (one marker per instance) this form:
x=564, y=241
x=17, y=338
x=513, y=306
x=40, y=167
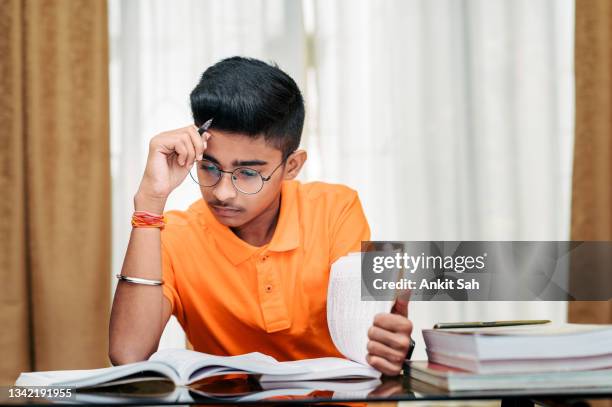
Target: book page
x=553, y=329
x=193, y=366
x=348, y=317
x=326, y=368
x=59, y=376
x=94, y=377
x=181, y=360
x=324, y=365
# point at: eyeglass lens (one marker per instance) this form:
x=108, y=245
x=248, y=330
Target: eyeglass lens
x=245, y=179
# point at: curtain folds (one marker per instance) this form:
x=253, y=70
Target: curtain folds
x=430, y=110
x=55, y=181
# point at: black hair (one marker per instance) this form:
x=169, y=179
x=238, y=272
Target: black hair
x=249, y=96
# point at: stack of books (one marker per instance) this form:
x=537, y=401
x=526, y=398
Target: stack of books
x=543, y=356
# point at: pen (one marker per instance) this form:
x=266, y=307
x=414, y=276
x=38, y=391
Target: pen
x=205, y=126
x=486, y=324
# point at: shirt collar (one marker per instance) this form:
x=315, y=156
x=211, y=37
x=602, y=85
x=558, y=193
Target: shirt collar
x=286, y=234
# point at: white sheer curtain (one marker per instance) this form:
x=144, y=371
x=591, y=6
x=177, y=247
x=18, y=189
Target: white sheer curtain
x=453, y=119
x=159, y=49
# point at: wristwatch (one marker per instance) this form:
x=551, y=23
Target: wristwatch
x=406, y=365
x=410, y=348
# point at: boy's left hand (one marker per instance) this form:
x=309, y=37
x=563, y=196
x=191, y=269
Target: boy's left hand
x=389, y=339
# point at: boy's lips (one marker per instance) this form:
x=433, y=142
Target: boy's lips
x=225, y=210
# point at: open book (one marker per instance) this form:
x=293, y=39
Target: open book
x=348, y=319
x=184, y=367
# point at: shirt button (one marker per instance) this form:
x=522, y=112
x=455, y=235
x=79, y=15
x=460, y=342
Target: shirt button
x=268, y=288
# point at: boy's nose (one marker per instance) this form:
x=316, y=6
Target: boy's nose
x=224, y=190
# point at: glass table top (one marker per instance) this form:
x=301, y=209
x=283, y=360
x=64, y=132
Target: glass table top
x=248, y=390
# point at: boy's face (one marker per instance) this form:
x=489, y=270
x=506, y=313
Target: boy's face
x=229, y=151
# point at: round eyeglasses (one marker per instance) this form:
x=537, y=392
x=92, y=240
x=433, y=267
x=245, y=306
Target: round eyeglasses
x=245, y=179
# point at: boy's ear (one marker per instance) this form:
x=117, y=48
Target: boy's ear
x=294, y=163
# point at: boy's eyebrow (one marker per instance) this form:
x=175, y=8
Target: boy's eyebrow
x=248, y=163
x=237, y=163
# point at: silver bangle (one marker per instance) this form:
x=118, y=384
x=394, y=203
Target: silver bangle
x=136, y=280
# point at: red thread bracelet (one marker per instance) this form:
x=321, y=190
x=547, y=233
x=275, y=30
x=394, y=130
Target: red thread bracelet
x=144, y=219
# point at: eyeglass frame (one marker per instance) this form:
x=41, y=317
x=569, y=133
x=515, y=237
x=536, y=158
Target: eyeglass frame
x=263, y=179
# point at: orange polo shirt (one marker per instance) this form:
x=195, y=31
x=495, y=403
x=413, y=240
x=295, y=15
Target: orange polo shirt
x=233, y=298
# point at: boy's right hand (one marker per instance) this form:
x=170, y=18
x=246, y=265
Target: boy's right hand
x=171, y=156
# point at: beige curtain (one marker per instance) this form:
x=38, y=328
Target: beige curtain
x=55, y=183
x=592, y=179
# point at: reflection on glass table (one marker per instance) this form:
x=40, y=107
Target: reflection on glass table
x=247, y=389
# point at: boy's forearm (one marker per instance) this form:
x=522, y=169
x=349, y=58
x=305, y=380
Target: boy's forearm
x=136, y=322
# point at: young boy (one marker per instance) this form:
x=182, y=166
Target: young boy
x=245, y=268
